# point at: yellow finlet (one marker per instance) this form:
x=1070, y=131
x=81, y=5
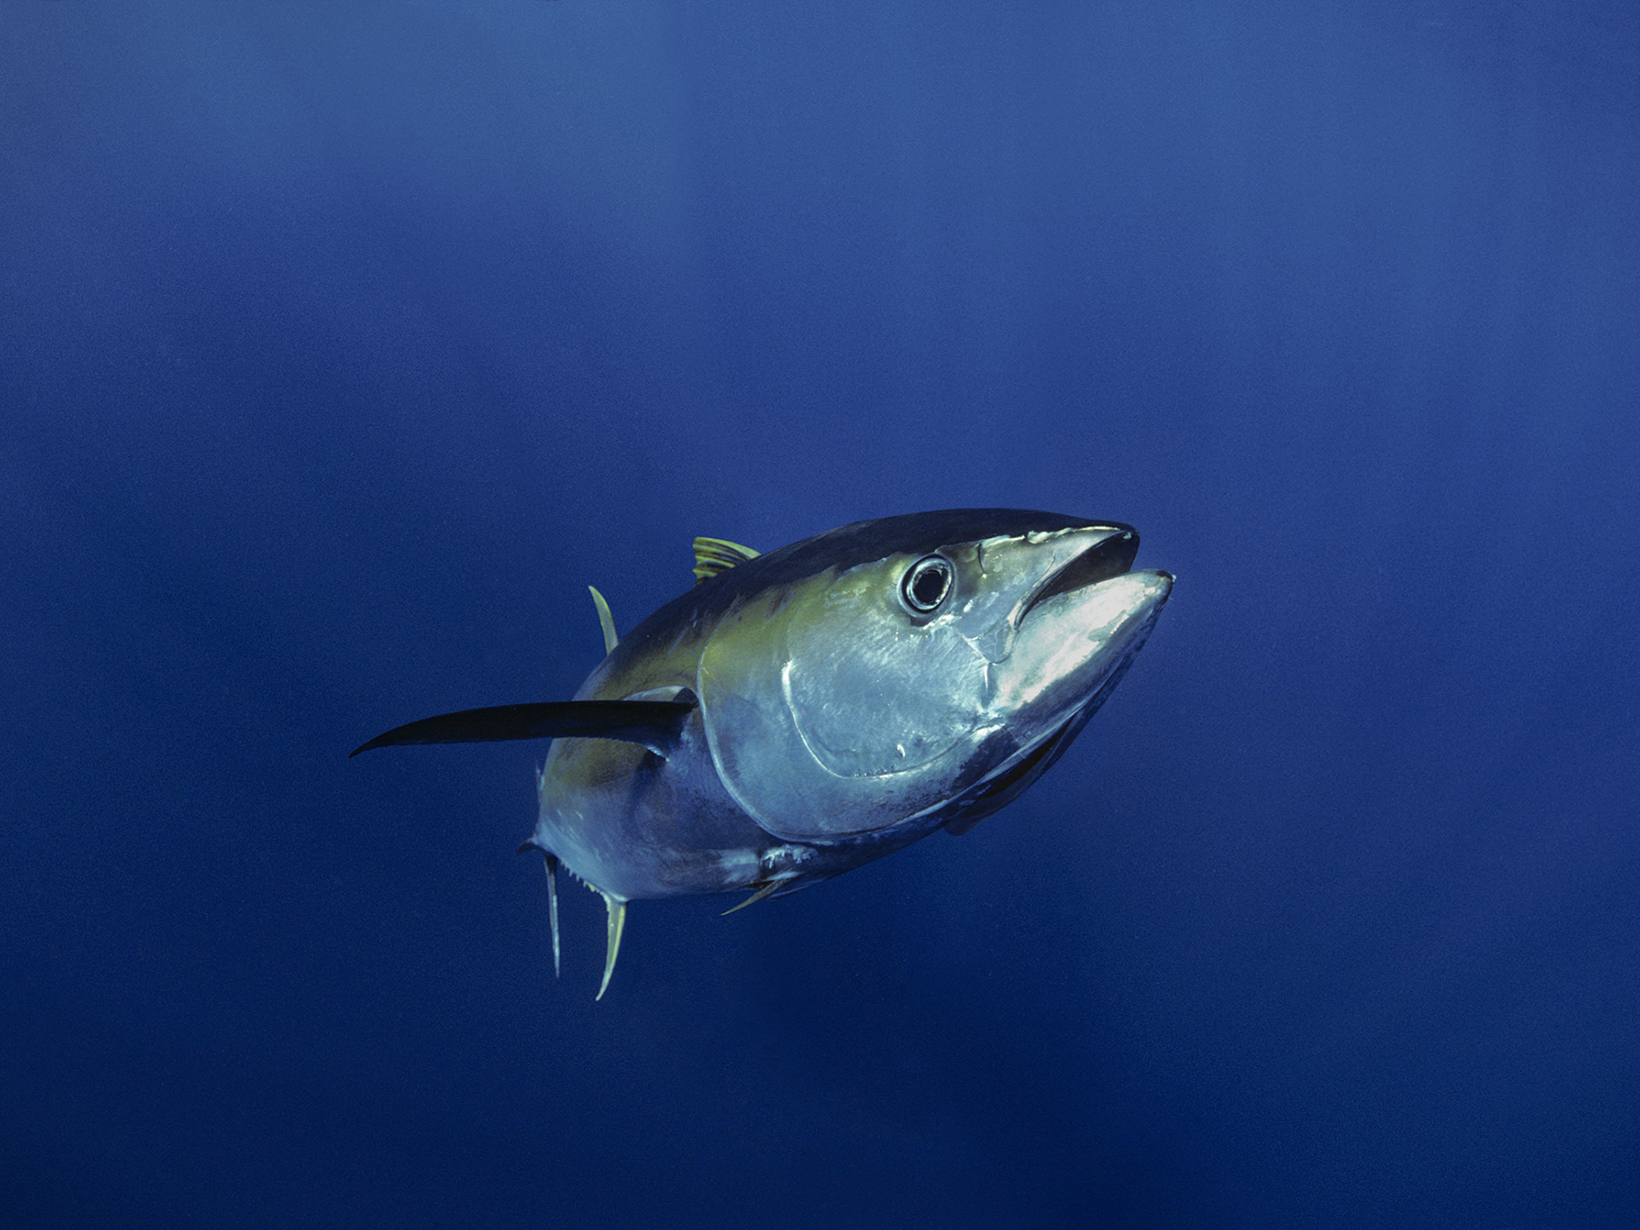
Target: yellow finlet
x=715, y=555
x=605, y=620
x=617, y=924
x=761, y=893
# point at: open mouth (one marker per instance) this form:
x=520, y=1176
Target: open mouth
x=1110, y=557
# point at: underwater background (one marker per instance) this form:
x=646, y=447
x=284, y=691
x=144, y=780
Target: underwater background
x=342, y=345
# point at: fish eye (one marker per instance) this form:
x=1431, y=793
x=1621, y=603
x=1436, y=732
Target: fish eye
x=926, y=583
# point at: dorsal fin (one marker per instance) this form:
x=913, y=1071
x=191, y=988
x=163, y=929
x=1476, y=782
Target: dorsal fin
x=715, y=555
x=606, y=621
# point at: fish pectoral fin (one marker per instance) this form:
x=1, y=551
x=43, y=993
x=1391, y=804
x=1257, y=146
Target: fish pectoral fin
x=617, y=924
x=762, y=892
x=657, y=724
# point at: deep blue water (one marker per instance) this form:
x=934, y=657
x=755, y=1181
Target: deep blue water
x=343, y=345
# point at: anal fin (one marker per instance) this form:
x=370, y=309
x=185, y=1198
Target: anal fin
x=617, y=924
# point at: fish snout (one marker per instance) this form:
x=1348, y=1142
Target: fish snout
x=1105, y=552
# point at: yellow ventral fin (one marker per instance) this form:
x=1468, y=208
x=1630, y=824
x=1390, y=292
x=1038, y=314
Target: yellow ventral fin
x=757, y=896
x=715, y=555
x=552, y=909
x=606, y=621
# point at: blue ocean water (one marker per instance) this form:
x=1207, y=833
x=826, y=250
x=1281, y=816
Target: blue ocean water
x=343, y=345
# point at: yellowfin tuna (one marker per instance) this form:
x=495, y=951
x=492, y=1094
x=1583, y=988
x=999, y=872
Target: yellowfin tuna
x=800, y=713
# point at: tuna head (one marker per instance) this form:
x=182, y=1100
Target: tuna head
x=920, y=670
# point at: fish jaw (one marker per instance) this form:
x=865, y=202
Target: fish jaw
x=1069, y=645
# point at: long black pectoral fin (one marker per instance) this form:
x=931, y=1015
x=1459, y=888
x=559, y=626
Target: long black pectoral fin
x=657, y=724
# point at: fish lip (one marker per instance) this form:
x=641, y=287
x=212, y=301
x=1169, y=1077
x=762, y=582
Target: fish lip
x=1111, y=557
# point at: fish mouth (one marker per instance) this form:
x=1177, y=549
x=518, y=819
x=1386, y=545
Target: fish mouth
x=1066, y=684
x=1110, y=557
x=1077, y=630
